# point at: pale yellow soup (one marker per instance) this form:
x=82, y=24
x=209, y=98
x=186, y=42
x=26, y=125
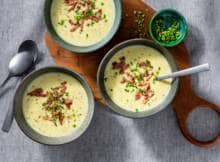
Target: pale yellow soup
x=93, y=32
x=124, y=94
x=34, y=111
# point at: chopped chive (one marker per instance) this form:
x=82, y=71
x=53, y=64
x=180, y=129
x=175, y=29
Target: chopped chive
x=61, y=22
x=126, y=90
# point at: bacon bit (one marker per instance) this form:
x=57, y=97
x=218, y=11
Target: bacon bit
x=68, y=102
x=143, y=84
x=70, y=2
x=38, y=92
x=72, y=22
x=132, y=77
x=142, y=64
x=94, y=18
x=124, y=80
x=61, y=118
x=81, y=25
x=73, y=6
x=74, y=28
x=64, y=83
x=147, y=77
x=137, y=96
x=47, y=118
x=121, y=66
x=146, y=99
x=151, y=94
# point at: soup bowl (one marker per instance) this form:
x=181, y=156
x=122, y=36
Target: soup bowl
x=32, y=133
x=83, y=49
x=119, y=109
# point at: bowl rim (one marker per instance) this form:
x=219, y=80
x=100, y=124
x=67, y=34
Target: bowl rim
x=87, y=121
x=178, y=41
x=80, y=49
x=114, y=107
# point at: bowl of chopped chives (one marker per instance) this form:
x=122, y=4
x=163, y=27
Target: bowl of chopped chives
x=168, y=28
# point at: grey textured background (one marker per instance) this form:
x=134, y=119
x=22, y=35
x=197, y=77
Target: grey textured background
x=110, y=137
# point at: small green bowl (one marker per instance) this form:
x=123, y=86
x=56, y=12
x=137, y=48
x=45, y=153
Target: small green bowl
x=78, y=49
x=28, y=130
x=166, y=15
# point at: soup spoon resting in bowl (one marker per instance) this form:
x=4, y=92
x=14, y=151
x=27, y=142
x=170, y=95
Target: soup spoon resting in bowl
x=188, y=71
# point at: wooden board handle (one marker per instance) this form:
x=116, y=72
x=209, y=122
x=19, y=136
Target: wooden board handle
x=184, y=106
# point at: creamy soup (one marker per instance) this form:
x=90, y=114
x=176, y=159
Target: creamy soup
x=130, y=78
x=82, y=22
x=55, y=104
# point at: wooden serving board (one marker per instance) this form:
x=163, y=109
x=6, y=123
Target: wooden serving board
x=186, y=100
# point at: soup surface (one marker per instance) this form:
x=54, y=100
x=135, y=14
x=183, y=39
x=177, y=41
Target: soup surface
x=130, y=78
x=55, y=104
x=82, y=22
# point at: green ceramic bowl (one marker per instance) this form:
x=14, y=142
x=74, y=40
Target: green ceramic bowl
x=167, y=15
x=102, y=88
x=78, y=49
x=19, y=116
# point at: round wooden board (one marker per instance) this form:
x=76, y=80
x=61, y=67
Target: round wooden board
x=186, y=100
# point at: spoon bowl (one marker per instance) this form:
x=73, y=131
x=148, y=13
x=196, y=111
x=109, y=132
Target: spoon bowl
x=20, y=63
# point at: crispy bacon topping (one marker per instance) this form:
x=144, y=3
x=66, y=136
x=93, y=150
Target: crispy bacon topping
x=55, y=103
x=137, y=77
x=121, y=65
x=68, y=102
x=85, y=10
x=38, y=92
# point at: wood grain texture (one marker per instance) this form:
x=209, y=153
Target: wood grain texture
x=185, y=101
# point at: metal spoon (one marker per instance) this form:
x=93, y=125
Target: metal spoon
x=188, y=71
x=18, y=65
x=25, y=59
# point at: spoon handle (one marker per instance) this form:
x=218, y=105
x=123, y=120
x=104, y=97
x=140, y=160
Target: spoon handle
x=6, y=79
x=196, y=69
x=9, y=116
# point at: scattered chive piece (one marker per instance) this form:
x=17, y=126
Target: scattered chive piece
x=126, y=90
x=154, y=79
x=104, y=16
x=89, y=12
x=61, y=22
x=93, y=4
x=78, y=16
